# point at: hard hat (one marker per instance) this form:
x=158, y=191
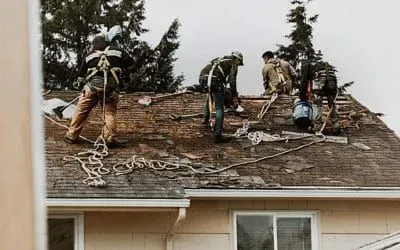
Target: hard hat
x=99, y=42
x=114, y=32
x=238, y=55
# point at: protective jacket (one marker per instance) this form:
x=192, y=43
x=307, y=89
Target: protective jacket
x=225, y=72
x=117, y=59
x=272, y=79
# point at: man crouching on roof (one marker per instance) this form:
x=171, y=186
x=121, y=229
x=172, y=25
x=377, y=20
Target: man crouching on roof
x=214, y=77
x=104, y=56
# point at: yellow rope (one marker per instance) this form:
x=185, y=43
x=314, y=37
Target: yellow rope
x=267, y=105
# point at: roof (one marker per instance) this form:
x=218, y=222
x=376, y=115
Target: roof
x=371, y=158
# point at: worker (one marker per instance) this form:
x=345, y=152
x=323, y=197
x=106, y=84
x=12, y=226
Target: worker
x=318, y=79
x=104, y=56
x=278, y=75
x=215, y=76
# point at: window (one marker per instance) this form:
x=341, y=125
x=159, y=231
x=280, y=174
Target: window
x=275, y=231
x=65, y=232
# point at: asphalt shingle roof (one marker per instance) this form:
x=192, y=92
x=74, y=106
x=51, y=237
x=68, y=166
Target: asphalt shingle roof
x=370, y=159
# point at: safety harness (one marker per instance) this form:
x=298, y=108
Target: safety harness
x=278, y=69
x=103, y=64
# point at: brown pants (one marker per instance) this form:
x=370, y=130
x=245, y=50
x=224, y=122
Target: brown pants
x=87, y=101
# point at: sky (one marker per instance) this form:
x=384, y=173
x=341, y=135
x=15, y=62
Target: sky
x=360, y=38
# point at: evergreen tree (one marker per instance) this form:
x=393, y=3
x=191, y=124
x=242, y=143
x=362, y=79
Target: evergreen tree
x=156, y=73
x=164, y=79
x=66, y=26
x=301, y=46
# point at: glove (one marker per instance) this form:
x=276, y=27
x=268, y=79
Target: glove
x=78, y=84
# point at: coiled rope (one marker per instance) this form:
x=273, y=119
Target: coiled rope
x=93, y=158
x=257, y=137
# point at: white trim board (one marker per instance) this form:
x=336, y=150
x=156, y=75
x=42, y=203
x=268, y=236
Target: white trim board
x=298, y=192
x=121, y=203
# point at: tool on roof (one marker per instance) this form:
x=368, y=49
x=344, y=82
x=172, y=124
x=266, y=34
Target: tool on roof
x=238, y=111
x=58, y=111
x=148, y=100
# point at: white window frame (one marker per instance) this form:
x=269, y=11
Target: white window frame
x=280, y=214
x=79, y=235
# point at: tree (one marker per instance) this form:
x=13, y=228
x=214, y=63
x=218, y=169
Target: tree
x=301, y=46
x=156, y=73
x=66, y=26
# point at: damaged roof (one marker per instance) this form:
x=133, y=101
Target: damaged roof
x=370, y=158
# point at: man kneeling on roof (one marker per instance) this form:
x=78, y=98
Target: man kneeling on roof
x=278, y=75
x=318, y=79
x=215, y=76
x=104, y=56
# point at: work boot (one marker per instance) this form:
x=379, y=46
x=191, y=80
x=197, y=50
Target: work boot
x=221, y=139
x=206, y=123
x=113, y=144
x=70, y=140
x=336, y=128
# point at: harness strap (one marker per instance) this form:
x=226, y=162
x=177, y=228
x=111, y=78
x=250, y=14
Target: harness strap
x=103, y=64
x=279, y=71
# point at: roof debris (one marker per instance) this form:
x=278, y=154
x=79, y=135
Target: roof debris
x=361, y=145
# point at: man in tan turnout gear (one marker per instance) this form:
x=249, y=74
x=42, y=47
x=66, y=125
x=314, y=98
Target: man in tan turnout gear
x=105, y=56
x=278, y=75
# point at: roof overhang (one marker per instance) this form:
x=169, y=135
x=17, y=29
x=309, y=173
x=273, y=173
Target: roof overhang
x=70, y=204
x=299, y=192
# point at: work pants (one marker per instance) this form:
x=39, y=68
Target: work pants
x=319, y=91
x=218, y=99
x=87, y=101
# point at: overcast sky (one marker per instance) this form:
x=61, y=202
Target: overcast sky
x=361, y=38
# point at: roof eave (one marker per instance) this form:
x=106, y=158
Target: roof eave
x=60, y=203
x=299, y=192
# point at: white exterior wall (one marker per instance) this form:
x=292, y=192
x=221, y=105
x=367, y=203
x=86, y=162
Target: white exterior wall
x=208, y=224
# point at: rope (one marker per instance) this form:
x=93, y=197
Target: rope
x=66, y=127
x=93, y=158
x=141, y=163
x=267, y=105
x=329, y=113
x=258, y=136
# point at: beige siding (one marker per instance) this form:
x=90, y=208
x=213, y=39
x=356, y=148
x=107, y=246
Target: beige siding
x=208, y=224
x=201, y=242
x=16, y=178
x=346, y=241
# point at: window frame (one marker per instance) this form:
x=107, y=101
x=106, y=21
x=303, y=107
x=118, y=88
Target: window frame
x=279, y=214
x=79, y=236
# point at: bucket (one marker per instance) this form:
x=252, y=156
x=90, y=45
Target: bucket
x=302, y=114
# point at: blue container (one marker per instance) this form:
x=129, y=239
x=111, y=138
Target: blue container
x=302, y=114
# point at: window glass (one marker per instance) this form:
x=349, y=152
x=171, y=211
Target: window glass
x=60, y=233
x=255, y=232
x=294, y=233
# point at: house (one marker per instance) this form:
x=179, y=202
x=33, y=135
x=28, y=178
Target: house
x=162, y=189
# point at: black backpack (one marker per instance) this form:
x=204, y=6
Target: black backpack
x=326, y=73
